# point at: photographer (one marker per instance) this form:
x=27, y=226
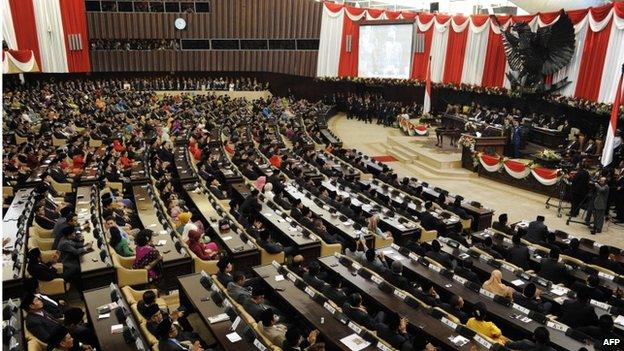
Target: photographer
x=598, y=206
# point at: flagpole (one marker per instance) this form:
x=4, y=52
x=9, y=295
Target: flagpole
x=607, y=148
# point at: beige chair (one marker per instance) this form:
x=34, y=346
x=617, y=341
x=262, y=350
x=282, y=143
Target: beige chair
x=36, y=345
x=58, y=142
x=42, y=244
x=61, y=187
x=572, y=260
x=7, y=191
x=209, y=267
x=379, y=241
x=19, y=139
x=126, y=275
x=95, y=142
x=466, y=224
x=602, y=269
x=427, y=235
x=329, y=249
x=133, y=296
x=41, y=232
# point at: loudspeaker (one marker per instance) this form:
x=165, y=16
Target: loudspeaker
x=434, y=7
x=349, y=39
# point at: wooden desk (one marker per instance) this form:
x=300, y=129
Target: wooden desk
x=307, y=310
x=191, y=295
x=12, y=274
x=185, y=172
x=94, y=272
x=420, y=322
x=330, y=138
x=174, y=263
x=516, y=328
x=309, y=247
x=245, y=255
x=95, y=298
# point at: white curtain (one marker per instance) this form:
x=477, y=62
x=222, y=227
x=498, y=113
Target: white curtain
x=613, y=62
x=330, y=41
x=8, y=32
x=474, y=58
x=572, y=69
x=50, y=35
x=438, y=50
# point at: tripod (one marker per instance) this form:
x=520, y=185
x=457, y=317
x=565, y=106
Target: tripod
x=561, y=191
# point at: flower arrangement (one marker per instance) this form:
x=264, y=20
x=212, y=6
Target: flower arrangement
x=550, y=155
x=597, y=107
x=467, y=141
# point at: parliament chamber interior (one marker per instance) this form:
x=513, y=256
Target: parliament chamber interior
x=349, y=175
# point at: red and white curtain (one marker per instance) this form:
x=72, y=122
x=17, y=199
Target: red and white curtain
x=469, y=50
x=54, y=30
x=19, y=61
x=519, y=168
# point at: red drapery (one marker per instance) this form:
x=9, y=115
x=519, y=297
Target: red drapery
x=23, y=15
x=420, y=60
x=592, y=63
x=455, y=50
x=495, y=61
x=348, y=64
x=75, y=22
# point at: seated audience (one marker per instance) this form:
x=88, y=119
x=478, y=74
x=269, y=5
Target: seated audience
x=551, y=269
x=495, y=285
x=478, y=323
x=501, y=225
x=541, y=341
x=147, y=256
x=579, y=312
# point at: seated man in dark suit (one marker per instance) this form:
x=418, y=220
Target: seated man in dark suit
x=551, y=268
x=294, y=341
x=224, y=274
x=604, y=260
x=603, y=331
x=531, y=299
x=578, y=313
x=334, y=291
x=149, y=299
x=438, y=255
x=518, y=254
x=573, y=250
x=456, y=208
x=52, y=306
x=257, y=304
x=266, y=242
x=427, y=220
x=488, y=246
x=38, y=322
x=455, y=307
x=464, y=269
x=541, y=341
x=596, y=292
x=169, y=338
x=395, y=333
x=354, y=310
x=395, y=277
x=537, y=231
x=502, y=225
x=310, y=277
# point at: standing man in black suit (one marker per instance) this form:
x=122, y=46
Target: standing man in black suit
x=579, y=188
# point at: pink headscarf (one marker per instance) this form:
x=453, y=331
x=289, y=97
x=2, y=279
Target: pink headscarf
x=259, y=184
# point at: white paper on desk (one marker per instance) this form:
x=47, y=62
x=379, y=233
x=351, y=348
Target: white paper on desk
x=117, y=328
x=517, y=282
x=560, y=300
x=152, y=225
x=458, y=340
x=233, y=337
x=354, y=342
x=279, y=278
x=387, y=252
x=400, y=226
x=103, y=316
x=226, y=238
x=218, y=318
x=557, y=290
x=292, y=229
x=161, y=242
x=619, y=320
x=526, y=319
x=268, y=214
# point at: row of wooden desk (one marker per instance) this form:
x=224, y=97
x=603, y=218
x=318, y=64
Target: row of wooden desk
x=513, y=318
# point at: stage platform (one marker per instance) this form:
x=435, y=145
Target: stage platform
x=421, y=154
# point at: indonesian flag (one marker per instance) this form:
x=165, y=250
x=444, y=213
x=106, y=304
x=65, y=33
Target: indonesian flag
x=607, y=150
x=427, y=100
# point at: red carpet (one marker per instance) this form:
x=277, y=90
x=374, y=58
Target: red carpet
x=384, y=158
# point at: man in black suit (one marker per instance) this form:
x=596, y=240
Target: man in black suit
x=310, y=277
x=541, y=341
x=604, y=260
x=249, y=207
x=395, y=333
x=54, y=307
x=573, y=250
x=579, y=189
x=455, y=307
x=488, y=246
x=518, y=253
x=464, y=269
x=603, y=331
x=38, y=322
x=334, y=292
x=457, y=208
x=551, y=268
x=224, y=274
x=502, y=225
x=256, y=304
x=596, y=292
x=354, y=310
x=276, y=180
x=438, y=255
x=531, y=299
x=537, y=231
x=395, y=277
x=294, y=341
x=578, y=313
x=168, y=338
x=427, y=220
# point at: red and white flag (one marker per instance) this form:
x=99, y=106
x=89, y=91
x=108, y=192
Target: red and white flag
x=427, y=100
x=607, y=150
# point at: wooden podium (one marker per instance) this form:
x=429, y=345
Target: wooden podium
x=488, y=145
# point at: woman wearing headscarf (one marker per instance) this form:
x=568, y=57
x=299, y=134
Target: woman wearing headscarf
x=487, y=328
x=207, y=251
x=495, y=285
x=119, y=243
x=147, y=256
